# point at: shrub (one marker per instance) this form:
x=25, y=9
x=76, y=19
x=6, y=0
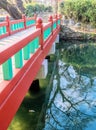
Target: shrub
x=82, y=10
x=36, y=8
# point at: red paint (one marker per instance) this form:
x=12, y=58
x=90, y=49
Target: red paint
x=24, y=18
x=10, y=49
x=8, y=24
x=51, y=20
x=4, y=35
x=16, y=21
x=47, y=25
x=3, y=24
x=7, y=86
x=12, y=92
x=39, y=25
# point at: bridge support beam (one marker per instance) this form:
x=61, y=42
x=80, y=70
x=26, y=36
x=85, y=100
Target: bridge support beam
x=48, y=58
x=52, y=50
x=57, y=39
x=43, y=70
x=35, y=86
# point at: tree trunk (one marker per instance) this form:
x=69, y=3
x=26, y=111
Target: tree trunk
x=12, y=10
x=56, y=6
x=27, y=1
x=20, y=5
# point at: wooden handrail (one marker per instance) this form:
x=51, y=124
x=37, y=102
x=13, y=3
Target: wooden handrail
x=9, y=25
x=10, y=49
x=47, y=25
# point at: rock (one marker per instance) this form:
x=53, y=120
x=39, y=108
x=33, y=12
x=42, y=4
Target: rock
x=78, y=26
x=66, y=22
x=31, y=111
x=71, y=22
x=68, y=33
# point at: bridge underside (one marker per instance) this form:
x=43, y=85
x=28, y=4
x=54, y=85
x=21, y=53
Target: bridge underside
x=11, y=103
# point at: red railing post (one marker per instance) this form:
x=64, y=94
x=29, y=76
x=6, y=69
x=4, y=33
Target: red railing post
x=60, y=18
x=39, y=24
x=8, y=25
x=56, y=17
x=51, y=20
x=24, y=18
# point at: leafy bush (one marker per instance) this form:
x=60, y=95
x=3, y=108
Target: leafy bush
x=48, y=8
x=36, y=8
x=80, y=10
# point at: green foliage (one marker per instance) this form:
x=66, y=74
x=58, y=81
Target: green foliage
x=48, y=8
x=81, y=56
x=81, y=10
x=36, y=8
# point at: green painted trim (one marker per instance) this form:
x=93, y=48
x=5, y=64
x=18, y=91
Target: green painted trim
x=4, y=29
x=32, y=47
x=54, y=26
x=47, y=32
x=59, y=22
x=26, y=51
x=36, y=42
x=30, y=22
x=18, y=59
x=1, y=31
x=7, y=70
x=12, y=27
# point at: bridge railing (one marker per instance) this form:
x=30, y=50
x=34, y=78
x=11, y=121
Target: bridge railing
x=3, y=29
x=18, y=52
x=16, y=26
x=21, y=51
x=37, y=39
x=30, y=22
x=16, y=58
x=48, y=29
x=9, y=27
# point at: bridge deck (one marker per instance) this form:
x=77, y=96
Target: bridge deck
x=11, y=39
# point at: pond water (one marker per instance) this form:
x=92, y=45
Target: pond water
x=72, y=101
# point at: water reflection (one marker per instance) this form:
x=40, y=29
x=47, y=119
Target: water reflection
x=72, y=102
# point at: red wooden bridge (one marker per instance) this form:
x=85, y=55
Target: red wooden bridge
x=24, y=44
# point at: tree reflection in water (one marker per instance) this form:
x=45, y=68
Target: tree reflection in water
x=72, y=102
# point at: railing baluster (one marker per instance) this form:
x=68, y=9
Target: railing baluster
x=7, y=69
x=0, y=30
x=32, y=46
x=37, y=42
x=47, y=32
x=4, y=29
x=26, y=51
x=18, y=59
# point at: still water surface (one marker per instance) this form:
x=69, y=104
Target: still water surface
x=72, y=102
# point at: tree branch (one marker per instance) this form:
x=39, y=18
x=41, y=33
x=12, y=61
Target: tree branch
x=12, y=10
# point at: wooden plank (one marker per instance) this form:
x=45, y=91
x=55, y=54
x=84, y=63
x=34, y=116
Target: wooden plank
x=17, y=36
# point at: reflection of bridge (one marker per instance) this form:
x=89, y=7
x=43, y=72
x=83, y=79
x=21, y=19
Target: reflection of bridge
x=23, y=47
